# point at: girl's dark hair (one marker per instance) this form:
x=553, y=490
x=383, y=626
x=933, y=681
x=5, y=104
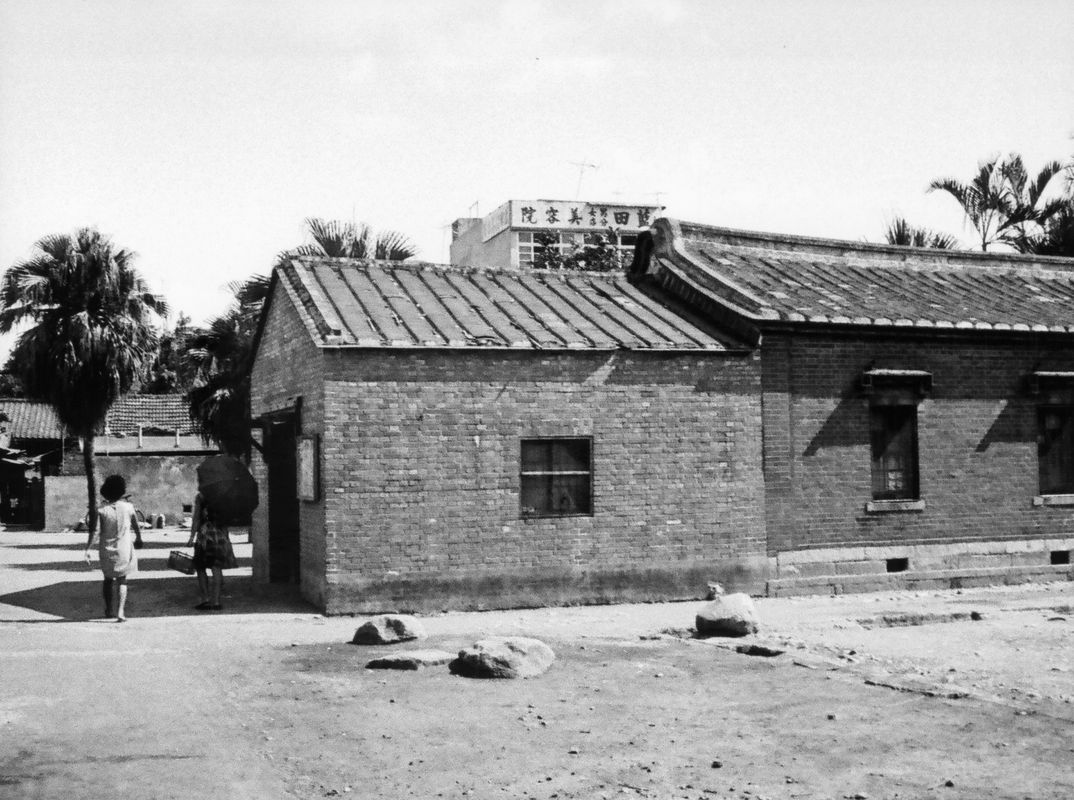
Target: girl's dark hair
x=113, y=488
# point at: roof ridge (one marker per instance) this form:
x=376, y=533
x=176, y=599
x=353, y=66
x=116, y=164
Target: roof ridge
x=799, y=244
x=608, y=275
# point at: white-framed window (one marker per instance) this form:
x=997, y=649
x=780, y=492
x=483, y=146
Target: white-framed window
x=528, y=245
x=567, y=241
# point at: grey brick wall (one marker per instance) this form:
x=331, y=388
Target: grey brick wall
x=289, y=367
x=977, y=441
x=421, y=469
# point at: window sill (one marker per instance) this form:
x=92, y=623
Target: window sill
x=893, y=506
x=531, y=517
x=1054, y=500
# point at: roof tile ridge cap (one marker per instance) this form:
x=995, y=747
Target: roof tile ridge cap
x=677, y=245
x=293, y=279
x=879, y=247
x=457, y=269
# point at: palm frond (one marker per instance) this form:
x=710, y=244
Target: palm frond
x=393, y=246
x=332, y=236
x=900, y=232
x=284, y=256
x=1043, y=179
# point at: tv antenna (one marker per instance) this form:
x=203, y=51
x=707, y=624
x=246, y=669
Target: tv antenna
x=582, y=165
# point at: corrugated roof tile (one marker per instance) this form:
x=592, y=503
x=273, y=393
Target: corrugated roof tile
x=803, y=279
x=392, y=304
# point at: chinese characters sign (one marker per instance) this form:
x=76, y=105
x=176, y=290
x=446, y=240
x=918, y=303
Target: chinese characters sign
x=566, y=214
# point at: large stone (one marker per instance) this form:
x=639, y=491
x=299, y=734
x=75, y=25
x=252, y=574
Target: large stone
x=504, y=657
x=412, y=659
x=388, y=629
x=727, y=615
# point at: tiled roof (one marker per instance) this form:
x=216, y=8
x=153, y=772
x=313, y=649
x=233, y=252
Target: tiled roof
x=29, y=419
x=34, y=420
x=382, y=304
x=796, y=279
x=167, y=412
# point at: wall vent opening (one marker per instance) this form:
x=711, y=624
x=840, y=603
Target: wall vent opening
x=898, y=564
x=1060, y=556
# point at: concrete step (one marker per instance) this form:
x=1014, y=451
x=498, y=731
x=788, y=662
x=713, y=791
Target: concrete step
x=959, y=578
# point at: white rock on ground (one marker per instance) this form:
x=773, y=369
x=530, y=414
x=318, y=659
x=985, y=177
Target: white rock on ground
x=504, y=657
x=412, y=659
x=727, y=615
x=388, y=629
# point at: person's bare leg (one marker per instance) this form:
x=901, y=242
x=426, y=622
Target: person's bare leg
x=217, y=586
x=121, y=615
x=203, y=585
x=106, y=592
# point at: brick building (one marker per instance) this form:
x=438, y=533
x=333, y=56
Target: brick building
x=918, y=405
x=440, y=437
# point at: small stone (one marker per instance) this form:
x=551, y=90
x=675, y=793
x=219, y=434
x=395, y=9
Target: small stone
x=949, y=783
x=573, y=751
x=831, y=716
x=727, y=615
x=717, y=764
x=388, y=629
x=758, y=650
x=504, y=657
x=411, y=660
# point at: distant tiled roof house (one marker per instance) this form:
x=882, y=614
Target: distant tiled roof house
x=30, y=420
x=138, y=440
x=918, y=404
x=165, y=412
x=481, y=438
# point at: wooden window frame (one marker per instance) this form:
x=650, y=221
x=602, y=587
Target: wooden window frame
x=881, y=450
x=1063, y=483
x=526, y=476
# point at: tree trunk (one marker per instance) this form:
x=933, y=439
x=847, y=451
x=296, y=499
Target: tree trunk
x=91, y=480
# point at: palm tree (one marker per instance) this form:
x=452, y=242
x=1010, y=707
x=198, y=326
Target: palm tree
x=1028, y=209
x=1001, y=203
x=901, y=232
x=90, y=334
x=1057, y=238
x=336, y=239
x=220, y=400
x=981, y=199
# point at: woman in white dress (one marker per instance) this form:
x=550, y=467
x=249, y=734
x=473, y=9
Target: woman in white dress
x=118, y=535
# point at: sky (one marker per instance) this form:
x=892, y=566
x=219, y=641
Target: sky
x=200, y=134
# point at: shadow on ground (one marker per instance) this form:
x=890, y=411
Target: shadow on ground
x=158, y=597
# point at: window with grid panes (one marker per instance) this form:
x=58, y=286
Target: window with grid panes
x=1055, y=449
x=528, y=245
x=893, y=431
x=556, y=477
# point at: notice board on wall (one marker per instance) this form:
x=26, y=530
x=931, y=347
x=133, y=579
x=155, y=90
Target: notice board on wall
x=307, y=462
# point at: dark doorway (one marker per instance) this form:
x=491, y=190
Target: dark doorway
x=283, y=524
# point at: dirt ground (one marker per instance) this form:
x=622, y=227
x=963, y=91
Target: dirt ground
x=889, y=695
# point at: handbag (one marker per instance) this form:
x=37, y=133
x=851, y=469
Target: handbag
x=181, y=562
